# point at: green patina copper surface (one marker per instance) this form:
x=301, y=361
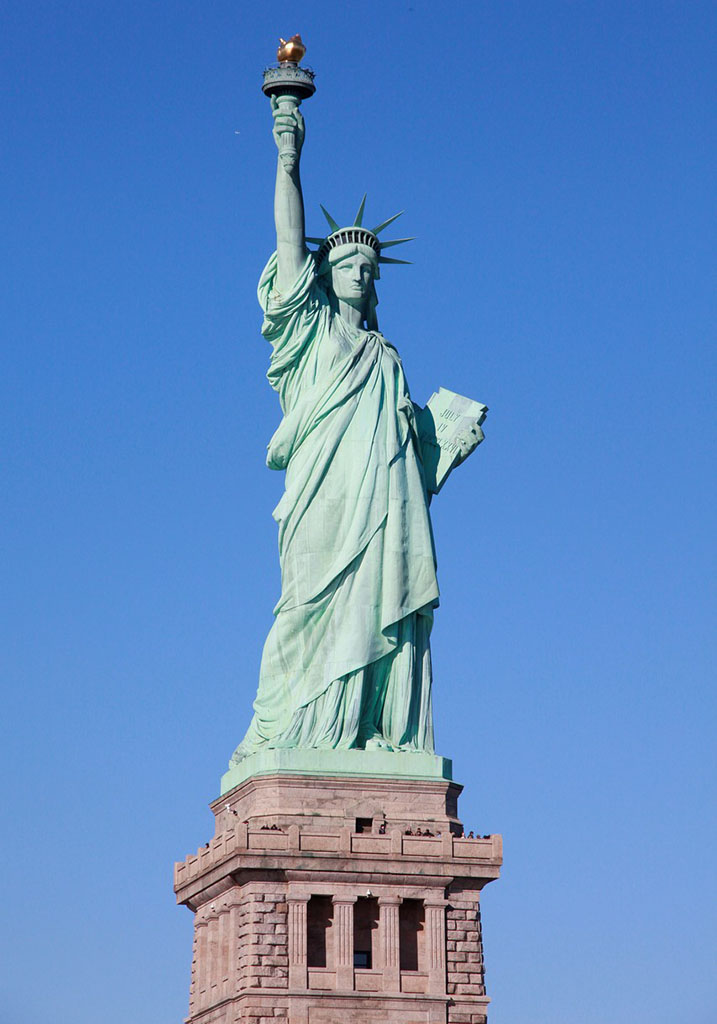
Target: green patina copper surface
x=369, y=763
x=345, y=680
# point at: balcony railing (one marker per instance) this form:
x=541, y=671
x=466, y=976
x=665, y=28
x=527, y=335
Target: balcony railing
x=242, y=839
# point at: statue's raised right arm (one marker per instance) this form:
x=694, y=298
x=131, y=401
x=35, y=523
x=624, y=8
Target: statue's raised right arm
x=288, y=200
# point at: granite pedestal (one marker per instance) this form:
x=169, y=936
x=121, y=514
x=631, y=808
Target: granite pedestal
x=317, y=902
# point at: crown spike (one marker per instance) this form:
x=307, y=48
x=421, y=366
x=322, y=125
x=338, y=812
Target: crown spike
x=396, y=241
x=314, y=241
x=387, y=259
x=387, y=222
x=358, y=222
x=332, y=223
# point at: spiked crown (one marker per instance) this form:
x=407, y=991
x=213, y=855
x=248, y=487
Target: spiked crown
x=357, y=234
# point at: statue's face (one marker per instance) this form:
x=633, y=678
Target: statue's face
x=352, y=277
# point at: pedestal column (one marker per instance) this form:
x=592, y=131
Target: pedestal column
x=201, y=963
x=296, y=907
x=389, y=944
x=435, y=911
x=212, y=955
x=344, y=932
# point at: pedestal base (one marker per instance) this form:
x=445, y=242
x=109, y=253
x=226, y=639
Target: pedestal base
x=336, y=898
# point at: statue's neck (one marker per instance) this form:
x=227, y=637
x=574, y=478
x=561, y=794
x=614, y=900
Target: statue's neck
x=351, y=314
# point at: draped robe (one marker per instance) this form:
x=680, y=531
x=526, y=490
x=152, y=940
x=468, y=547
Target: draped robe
x=347, y=661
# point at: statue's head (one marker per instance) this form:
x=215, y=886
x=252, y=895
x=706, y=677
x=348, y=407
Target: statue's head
x=348, y=263
x=349, y=273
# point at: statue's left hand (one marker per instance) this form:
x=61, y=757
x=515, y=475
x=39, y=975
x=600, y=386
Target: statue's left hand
x=468, y=441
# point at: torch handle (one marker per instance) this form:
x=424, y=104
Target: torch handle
x=288, y=103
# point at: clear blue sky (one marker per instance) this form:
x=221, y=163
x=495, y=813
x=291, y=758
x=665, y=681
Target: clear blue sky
x=556, y=161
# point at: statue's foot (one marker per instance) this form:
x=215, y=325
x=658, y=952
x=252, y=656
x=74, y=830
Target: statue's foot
x=377, y=743
x=239, y=754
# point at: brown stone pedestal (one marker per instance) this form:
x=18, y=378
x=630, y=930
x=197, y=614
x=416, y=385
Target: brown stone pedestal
x=313, y=906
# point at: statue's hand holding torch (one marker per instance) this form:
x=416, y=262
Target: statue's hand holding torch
x=288, y=129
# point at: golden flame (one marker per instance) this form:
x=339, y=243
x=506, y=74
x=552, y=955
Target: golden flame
x=290, y=49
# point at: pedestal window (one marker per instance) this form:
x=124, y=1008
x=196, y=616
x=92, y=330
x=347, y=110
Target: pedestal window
x=365, y=932
x=411, y=919
x=319, y=920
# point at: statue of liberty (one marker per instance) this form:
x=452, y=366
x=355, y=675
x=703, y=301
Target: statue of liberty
x=347, y=663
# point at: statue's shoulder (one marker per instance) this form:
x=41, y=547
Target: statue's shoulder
x=306, y=290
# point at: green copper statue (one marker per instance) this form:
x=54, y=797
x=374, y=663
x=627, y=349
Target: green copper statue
x=347, y=663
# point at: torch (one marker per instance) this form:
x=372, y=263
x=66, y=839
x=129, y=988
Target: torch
x=290, y=84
